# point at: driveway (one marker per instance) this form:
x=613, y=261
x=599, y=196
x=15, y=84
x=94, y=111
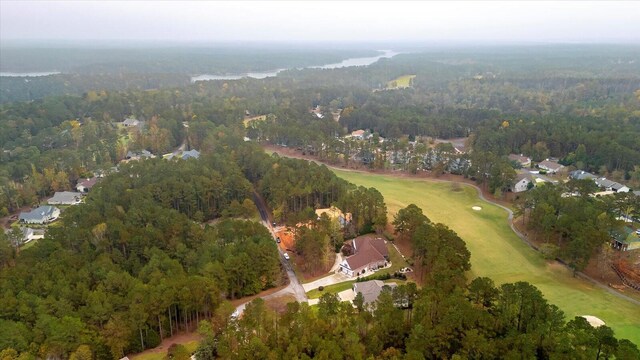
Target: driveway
x=326, y=281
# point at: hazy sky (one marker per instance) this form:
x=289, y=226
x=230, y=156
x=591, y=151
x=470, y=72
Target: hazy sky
x=322, y=21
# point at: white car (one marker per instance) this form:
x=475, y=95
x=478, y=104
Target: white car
x=286, y=256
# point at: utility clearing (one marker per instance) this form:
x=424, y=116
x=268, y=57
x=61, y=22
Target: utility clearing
x=497, y=252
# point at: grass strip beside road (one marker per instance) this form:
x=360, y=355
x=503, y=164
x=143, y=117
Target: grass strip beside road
x=497, y=252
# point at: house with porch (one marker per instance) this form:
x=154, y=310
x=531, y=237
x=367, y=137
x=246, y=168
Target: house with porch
x=367, y=254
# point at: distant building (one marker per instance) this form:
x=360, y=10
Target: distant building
x=520, y=159
x=184, y=155
x=29, y=234
x=42, y=215
x=521, y=183
x=581, y=175
x=131, y=122
x=85, y=185
x=358, y=134
x=65, y=198
x=609, y=185
x=550, y=166
x=144, y=154
x=191, y=154
x=335, y=213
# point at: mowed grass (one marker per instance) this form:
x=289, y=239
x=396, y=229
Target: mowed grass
x=497, y=252
x=403, y=81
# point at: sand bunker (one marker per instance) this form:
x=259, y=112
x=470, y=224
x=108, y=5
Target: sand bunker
x=593, y=321
x=476, y=208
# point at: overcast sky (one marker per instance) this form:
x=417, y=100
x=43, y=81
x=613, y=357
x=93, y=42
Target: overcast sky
x=322, y=21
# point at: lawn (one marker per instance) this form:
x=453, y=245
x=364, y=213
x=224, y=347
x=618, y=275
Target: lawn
x=497, y=252
x=403, y=81
x=335, y=288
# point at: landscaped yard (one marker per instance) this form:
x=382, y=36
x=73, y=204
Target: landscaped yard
x=497, y=252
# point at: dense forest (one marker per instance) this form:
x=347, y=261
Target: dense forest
x=144, y=66
x=133, y=264
x=159, y=245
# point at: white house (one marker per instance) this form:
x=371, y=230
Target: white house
x=521, y=183
x=29, y=234
x=550, y=166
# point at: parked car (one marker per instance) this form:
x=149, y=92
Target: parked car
x=278, y=239
x=286, y=256
x=273, y=223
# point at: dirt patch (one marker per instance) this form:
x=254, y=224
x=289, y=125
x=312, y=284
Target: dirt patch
x=279, y=304
x=181, y=338
x=246, y=299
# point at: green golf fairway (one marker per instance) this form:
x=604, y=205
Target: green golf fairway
x=497, y=252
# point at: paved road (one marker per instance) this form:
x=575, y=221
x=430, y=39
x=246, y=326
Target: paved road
x=294, y=288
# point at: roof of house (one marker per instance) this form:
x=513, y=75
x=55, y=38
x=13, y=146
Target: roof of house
x=519, y=158
x=523, y=176
x=606, y=183
x=333, y=213
x=371, y=289
x=581, y=175
x=41, y=214
x=626, y=235
x=65, y=197
x=550, y=165
x=88, y=183
x=190, y=154
x=617, y=186
x=357, y=133
x=367, y=250
x=131, y=121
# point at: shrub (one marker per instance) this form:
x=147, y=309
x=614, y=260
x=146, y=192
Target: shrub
x=320, y=288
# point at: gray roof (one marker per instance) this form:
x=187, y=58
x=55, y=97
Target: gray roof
x=581, y=175
x=131, y=122
x=605, y=183
x=40, y=215
x=617, y=186
x=190, y=154
x=370, y=289
x=554, y=166
x=65, y=198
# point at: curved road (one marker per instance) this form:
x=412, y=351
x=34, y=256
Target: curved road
x=509, y=218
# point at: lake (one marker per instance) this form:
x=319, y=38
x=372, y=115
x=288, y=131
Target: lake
x=29, y=74
x=363, y=61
